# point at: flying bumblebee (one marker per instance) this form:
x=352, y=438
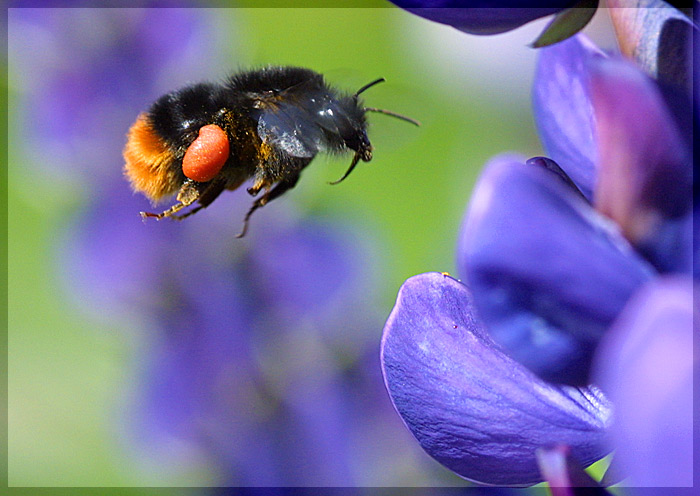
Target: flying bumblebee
x=267, y=124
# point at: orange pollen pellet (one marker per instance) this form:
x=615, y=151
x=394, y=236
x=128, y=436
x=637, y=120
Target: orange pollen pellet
x=207, y=154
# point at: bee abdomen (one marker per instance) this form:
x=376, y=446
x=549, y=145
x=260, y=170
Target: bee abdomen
x=149, y=161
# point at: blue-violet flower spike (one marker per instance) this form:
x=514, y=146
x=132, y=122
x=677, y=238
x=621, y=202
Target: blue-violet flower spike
x=471, y=407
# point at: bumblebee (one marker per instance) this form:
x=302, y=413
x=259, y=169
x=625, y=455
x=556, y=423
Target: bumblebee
x=266, y=124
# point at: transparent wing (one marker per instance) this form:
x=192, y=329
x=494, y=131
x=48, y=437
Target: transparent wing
x=291, y=129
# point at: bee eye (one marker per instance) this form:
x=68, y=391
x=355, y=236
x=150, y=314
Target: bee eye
x=207, y=154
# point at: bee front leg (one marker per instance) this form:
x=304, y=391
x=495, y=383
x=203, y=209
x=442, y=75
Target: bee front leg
x=258, y=185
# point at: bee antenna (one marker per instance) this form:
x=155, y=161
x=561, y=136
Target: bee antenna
x=393, y=114
x=367, y=86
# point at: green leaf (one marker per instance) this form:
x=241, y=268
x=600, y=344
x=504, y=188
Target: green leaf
x=567, y=23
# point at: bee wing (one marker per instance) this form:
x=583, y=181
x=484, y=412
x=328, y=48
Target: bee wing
x=290, y=129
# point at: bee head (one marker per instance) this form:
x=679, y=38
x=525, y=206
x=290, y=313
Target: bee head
x=358, y=141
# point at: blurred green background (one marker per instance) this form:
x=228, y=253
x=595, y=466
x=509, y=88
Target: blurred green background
x=68, y=371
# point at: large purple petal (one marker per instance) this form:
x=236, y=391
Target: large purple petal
x=470, y=406
x=548, y=273
x=646, y=364
x=645, y=176
x=483, y=16
x=563, y=110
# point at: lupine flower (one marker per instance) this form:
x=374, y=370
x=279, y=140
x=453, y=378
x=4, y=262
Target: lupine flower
x=568, y=286
x=547, y=277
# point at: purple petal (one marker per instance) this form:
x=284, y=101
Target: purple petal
x=548, y=273
x=470, y=406
x=563, y=109
x=696, y=156
x=482, y=16
x=645, y=175
x=695, y=246
x=646, y=364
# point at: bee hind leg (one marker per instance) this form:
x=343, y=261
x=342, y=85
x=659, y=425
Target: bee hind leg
x=187, y=195
x=279, y=189
x=207, y=196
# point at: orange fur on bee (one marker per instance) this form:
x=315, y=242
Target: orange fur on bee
x=147, y=162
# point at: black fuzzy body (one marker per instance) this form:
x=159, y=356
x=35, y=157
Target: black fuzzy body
x=277, y=120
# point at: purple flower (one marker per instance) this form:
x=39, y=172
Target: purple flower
x=86, y=74
x=558, y=283
x=483, y=16
x=547, y=272
x=255, y=359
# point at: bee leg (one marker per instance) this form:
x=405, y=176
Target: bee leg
x=188, y=194
x=279, y=189
x=258, y=185
x=355, y=160
x=210, y=193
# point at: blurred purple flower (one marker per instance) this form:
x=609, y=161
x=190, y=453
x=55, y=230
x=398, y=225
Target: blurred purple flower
x=244, y=368
x=257, y=360
x=483, y=16
x=550, y=276
x=87, y=73
x=253, y=355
